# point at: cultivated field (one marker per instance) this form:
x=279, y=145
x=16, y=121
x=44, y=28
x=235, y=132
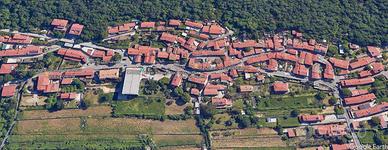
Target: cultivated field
x=100, y=111
x=246, y=138
x=96, y=133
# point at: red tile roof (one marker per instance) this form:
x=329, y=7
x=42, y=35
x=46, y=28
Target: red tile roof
x=221, y=102
x=68, y=96
x=210, y=92
x=291, y=133
x=272, y=65
x=349, y=146
x=361, y=62
x=371, y=111
x=311, y=118
x=176, y=80
x=201, y=79
x=8, y=90
x=359, y=99
x=66, y=81
x=279, y=86
x=300, y=70
x=81, y=73
x=72, y=54
x=329, y=72
x=343, y=64
x=374, y=51
x=359, y=92
x=356, y=82
x=194, y=24
x=315, y=72
x=168, y=37
x=208, y=53
x=174, y=22
x=109, y=74
x=7, y=68
x=245, y=44
x=147, y=25
x=331, y=130
x=76, y=29
x=59, y=23
x=45, y=85
x=213, y=29
x=245, y=88
x=16, y=39
x=26, y=51
x=194, y=91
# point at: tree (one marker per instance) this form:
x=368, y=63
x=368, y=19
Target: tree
x=295, y=113
x=339, y=110
x=207, y=111
x=164, y=81
x=375, y=121
x=320, y=96
x=333, y=101
x=78, y=84
x=116, y=57
x=105, y=97
x=346, y=92
x=243, y=121
x=151, y=87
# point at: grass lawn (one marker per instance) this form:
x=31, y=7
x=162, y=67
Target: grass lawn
x=285, y=102
x=289, y=122
x=366, y=137
x=223, y=118
x=140, y=105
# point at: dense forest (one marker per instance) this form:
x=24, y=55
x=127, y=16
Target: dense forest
x=360, y=21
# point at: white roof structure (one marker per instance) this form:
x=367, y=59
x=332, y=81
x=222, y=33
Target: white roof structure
x=131, y=81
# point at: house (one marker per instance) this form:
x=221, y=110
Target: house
x=108, y=74
x=193, y=24
x=343, y=64
x=361, y=62
x=371, y=111
x=329, y=72
x=68, y=96
x=76, y=29
x=311, y=118
x=87, y=73
x=280, y=87
x=245, y=44
x=16, y=39
x=174, y=23
x=73, y=55
x=357, y=82
x=66, y=81
x=221, y=102
x=374, y=51
x=300, y=70
x=245, y=88
x=167, y=37
x=7, y=68
x=359, y=99
x=45, y=85
x=331, y=130
x=359, y=92
x=272, y=65
x=132, y=79
x=59, y=24
x=104, y=55
x=147, y=25
x=348, y=146
x=8, y=90
x=25, y=51
x=291, y=133
x=176, y=81
x=194, y=91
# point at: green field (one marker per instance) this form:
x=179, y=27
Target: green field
x=289, y=122
x=140, y=105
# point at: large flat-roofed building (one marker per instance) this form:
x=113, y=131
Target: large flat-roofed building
x=131, y=81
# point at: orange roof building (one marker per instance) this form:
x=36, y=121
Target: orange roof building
x=374, y=51
x=25, y=51
x=331, y=130
x=7, y=68
x=16, y=39
x=59, y=24
x=176, y=81
x=311, y=118
x=343, y=64
x=76, y=29
x=245, y=88
x=356, y=82
x=73, y=55
x=147, y=25
x=45, y=85
x=194, y=24
x=359, y=99
x=8, y=90
x=108, y=74
x=68, y=96
x=280, y=87
x=361, y=62
x=221, y=102
x=81, y=73
x=371, y=111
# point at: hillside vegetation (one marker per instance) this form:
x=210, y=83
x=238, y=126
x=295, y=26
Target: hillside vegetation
x=362, y=22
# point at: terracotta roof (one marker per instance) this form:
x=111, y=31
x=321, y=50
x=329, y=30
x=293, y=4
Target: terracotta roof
x=349, y=146
x=7, y=68
x=279, y=86
x=8, y=90
x=76, y=29
x=361, y=62
x=331, y=130
x=109, y=74
x=272, y=65
x=210, y=92
x=359, y=99
x=194, y=91
x=208, y=53
x=59, y=23
x=329, y=72
x=68, y=96
x=343, y=64
x=201, y=79
x=315, y=72
x=311, y=118
x=168, y=37
x=147, y=25
x=45, y=85
x=291, y=133
x=72, y=54
x=374, y=51
x=300, y=70
x=194, y=24
x=245, y=88
x=174, y=22
x=25, y=51
x=213, y=29
x=245, y=44
x=82, y=73
x=358, y=92
x=371, y=111
x=356, y=82
x=221, y=102
x=176, y=80
x=66, y=81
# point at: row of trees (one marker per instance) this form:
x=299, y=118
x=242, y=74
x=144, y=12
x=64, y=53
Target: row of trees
x=362, y=22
